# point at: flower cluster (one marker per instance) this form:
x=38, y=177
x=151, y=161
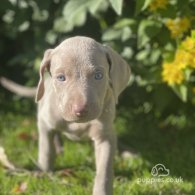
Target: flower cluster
x=158, y=4
x=174, y=72
x=178, y=26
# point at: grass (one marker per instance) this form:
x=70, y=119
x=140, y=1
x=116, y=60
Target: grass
x=75, y=170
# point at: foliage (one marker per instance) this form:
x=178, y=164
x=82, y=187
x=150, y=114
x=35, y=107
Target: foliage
x=157, y=31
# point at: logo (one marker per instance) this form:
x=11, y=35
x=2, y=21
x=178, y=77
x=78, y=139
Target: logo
x=159, y=173
x=159, y=170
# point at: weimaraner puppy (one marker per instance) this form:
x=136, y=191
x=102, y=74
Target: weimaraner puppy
x=78, y=99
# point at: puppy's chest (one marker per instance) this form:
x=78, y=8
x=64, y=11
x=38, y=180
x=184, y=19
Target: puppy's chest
x=74, y=131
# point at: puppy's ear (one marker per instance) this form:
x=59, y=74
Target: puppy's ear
x=45, y=63
x=119, y=72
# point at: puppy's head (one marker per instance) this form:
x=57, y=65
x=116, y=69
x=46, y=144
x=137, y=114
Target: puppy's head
x=82, y=70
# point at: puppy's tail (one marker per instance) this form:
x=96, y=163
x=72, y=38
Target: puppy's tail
x=18, y=89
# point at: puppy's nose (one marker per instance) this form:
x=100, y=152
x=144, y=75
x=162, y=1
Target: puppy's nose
x=80, y=110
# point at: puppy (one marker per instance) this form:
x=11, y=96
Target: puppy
x=78, y=99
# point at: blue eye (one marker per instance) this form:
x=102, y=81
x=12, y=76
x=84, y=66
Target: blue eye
x=61, y=78
x=98, y=75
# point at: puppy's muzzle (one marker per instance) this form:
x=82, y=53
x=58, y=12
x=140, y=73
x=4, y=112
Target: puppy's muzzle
x=80, y=110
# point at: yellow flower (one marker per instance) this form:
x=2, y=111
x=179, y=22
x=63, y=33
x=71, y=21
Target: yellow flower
x=178, y=26
x=183, y=58
x=158, y=4
x=174, y=28
x=188, y=43
x=172, y=74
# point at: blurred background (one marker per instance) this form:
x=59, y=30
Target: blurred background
x=156, y=113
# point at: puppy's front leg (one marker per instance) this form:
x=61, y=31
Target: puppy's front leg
x=104, y=153
x=46, y=153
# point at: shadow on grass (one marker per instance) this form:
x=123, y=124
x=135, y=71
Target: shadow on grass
x=156, y=142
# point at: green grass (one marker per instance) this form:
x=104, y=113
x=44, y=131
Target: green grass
x=75, y=169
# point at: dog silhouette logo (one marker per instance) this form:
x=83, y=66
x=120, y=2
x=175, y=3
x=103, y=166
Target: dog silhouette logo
x=159, y=170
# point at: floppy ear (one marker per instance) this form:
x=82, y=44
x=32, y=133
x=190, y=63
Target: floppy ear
x=45, y=63
x=119, y=72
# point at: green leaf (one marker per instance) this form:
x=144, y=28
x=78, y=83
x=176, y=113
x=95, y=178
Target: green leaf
x=141, y=5
x=61, y=25
x=51, y=37
x=188, y=72
x=111, y=34
x=181, y=92
x=126, y=34
x=127, y=52
x=147, y=30
x=75, y=12
x=97, y=6
x=155, y=55
x=142, y=55
x=125, y=22
x=117, y=6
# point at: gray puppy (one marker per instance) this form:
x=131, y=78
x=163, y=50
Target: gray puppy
x=79, y=99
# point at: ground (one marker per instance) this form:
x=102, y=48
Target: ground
x=148, y=143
